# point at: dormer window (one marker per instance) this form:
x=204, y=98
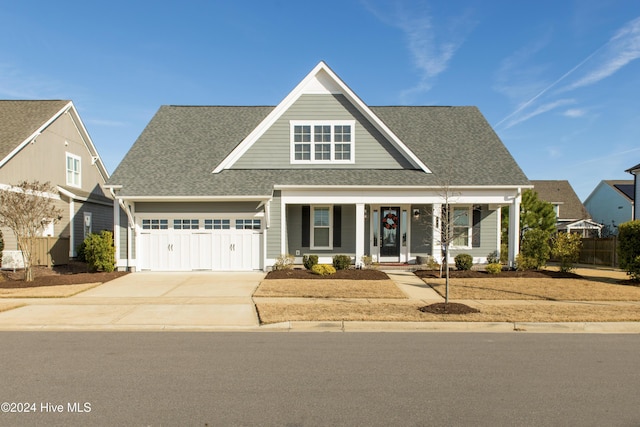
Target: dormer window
x=322, y=141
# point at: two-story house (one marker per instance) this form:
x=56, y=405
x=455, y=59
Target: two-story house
x=322, y=172
x=48, y=142
x=611, y=203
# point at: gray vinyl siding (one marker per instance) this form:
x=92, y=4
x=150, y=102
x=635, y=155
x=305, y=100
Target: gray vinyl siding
x=124, y=224
x=371, y=149
x=101, y=219
x=347, y=230
x=421, y=231
x=274, y=232
x=197, y=207
x=488, y=235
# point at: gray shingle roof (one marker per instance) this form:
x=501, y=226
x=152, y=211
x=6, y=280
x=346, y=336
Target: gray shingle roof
x=19, y=119
x=180, y=147
x=561, y=192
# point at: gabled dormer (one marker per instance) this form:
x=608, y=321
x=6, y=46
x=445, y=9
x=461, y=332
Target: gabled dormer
x=322, y=124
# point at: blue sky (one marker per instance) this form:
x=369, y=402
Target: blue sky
x=558, y=80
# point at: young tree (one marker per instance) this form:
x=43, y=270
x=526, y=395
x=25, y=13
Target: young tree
x=566, y=248
x=444, y=225
x=535, y=214
x=27, y=209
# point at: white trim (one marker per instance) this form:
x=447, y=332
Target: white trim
x=194, y=198
x=71, y=195
x=320, y=80
x=397, y=187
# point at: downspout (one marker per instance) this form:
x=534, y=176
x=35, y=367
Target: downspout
x=130, y=224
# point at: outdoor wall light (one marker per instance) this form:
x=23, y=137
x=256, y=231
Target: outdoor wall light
x=416, y=214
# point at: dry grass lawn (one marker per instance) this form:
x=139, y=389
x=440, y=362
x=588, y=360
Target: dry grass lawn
x=536, y=289
x=408, y=312
x=499, y=300
x=58, y=291
x=321, y=288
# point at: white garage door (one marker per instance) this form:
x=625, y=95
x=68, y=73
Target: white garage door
x=200, y=244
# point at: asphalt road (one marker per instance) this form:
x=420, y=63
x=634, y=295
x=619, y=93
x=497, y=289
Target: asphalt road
x=323, y=379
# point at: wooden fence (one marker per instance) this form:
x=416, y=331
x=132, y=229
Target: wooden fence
x=600, y=251
x=51, y=251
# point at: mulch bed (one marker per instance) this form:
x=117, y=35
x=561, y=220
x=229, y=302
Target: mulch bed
x=350, y=274
x=474, y=274
x=73, y=274
x=448, y=308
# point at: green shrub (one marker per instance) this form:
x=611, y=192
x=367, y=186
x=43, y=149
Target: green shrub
x=367, y=261
x=535, y=249
x=629, y=248
x=1, y=246
x=80, y=252
x=323, y=269
x=309, y=261
x=493, y=258
x=633, y=269
x=341, y=262
x=428, y=261
x=284, y=262
x=524, y=263
x=99, y=251
x=493, y=268
x=566, y=249
x=463, y=262
x=504, y=253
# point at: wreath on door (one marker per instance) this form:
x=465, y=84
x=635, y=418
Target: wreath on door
x=390, y=221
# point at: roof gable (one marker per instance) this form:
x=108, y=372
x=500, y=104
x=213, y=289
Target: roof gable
x=561, y=193
x=321, y=80
x=22, y=121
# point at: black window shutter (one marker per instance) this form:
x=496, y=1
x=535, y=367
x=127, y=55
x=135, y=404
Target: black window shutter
x=306, y=223
x=337, y=226
x=475, y=232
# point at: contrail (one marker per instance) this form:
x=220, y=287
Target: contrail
x=542, y=92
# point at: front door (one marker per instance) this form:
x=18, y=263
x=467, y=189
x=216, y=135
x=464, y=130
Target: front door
x=390, y=227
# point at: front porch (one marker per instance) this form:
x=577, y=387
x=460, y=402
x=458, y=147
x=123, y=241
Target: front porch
x=395, y=229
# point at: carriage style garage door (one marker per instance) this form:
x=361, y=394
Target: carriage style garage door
x=200, y=244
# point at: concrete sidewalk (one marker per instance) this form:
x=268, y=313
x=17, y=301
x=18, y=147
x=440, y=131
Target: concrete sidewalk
x=206, y=301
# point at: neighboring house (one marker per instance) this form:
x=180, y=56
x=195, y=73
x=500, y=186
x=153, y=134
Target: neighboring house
x=47, y=141
x=635, y=171
x=611, y=203
x=234, y=188
x=571, y=215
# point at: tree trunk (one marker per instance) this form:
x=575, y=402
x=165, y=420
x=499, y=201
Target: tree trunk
x=446, y=282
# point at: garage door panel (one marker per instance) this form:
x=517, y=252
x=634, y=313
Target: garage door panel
x=184, y=250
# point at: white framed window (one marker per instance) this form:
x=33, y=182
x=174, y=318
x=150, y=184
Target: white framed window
x=47, y=227
x=461, y=221
x=248, y=224
x=321, y=227
x=155, y=224
x=217, y=224
x=73, y=170
x=331, y=141
x=186, y=224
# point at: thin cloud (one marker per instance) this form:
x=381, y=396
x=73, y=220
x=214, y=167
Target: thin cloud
x=540, y=110
x=622, y=48
x=431, y=46
x=575, y=113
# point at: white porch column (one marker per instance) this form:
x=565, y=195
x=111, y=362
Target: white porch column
x=514, y=229
x=116, y=229
x=436, y=244
x=359, y=233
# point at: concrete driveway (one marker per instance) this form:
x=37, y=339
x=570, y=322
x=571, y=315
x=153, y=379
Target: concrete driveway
x=147, y=301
